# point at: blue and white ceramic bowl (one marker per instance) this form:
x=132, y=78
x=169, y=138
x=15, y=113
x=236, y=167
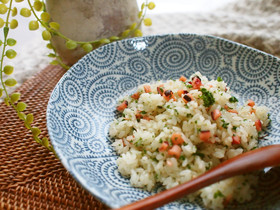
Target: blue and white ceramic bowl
x=82, y=105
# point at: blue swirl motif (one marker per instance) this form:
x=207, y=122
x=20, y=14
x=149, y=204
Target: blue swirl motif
x=209, y=61
x=227, y=48
x=254, y=66
x=103, y=100
x=130, y=47
x=71, y=92
x=188, y=37
x=257, y=93
x=111, y=175
x=104, y=57
x=172, y=56
x=275, y=122
x=79, y=123
x=56, y=129
x=127, y=83
x=199, y=44
x=138, y=65
x=80, y=69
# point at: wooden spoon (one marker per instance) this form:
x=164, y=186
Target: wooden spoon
x=247, y=162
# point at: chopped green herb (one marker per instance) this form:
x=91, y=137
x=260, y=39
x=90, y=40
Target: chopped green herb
x=143, y=112
x=188, y=166
x=219, y=79
x=207, y=97
x=199, y=154
x=189, y=86
x=218, y=194
x=187, y=106
x=234, y=128
x=233, y=99
x=154, y=159
x=168, y=106
x=160, y=141
x=225, y=124
x=189, y=115
x=176, y=112
x=160, y=107
x=123, y=115
x=182, y=157
x=156, y=176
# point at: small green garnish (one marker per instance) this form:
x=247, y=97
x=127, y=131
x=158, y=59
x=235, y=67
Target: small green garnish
x=207, y=97
x=219, y=79
x=225, y=124
x=143, y=112
x=182, y=157
x=234, y=128
x=233, y=99
x=189, y=86
x=199, y=154
x=218, y=194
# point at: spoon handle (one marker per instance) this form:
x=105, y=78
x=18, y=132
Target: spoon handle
x=247, y=162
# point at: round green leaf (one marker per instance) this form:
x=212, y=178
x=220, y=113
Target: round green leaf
x=11, y=42
x=38, y=6
x=87, y=47
x=21, y=106
x=29, y=118
x=45, y=142
x=21, y=115
x=8, y=69
x=11, y=53
x=13, y=24
x=45, y=17
x=33, y=25
x=3, y=9
x=5, y=1
x=14, y=11
x=71, y=45
x=35, y=131
x=25, y=12
x=10, y=82
x=54, y=25
x=15, y=97
x=2, y=22
x=46, y=35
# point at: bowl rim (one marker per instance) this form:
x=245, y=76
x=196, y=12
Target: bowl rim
x=95, y=193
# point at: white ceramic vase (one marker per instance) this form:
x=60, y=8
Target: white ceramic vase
x=88, y=20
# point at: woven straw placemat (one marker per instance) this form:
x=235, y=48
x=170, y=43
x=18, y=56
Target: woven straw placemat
x=31, y=177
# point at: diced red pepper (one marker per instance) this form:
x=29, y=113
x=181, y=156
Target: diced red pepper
x=147, y=88
x=205, y=136
x=163, y=146
x=236, y=140
x=160, y=89
x=196, y=83
x=122, y=106
x=176, y=138
x=146, y=118
x=216, y=113
x=168, y=95
x=258, y=125
x=175, y=151
x=135, y=95
x=181, y=92
x=183, y=79
x=187, y=97
x=232, y=111
x=251, y=103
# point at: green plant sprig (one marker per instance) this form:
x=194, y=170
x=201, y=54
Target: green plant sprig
x=51, y=28
x=13, y=99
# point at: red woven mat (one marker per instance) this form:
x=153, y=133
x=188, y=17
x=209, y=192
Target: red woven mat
x=30, y=176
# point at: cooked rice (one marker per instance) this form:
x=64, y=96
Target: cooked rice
x=146, y=123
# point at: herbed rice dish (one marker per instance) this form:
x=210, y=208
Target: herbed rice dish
x=171, y=132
